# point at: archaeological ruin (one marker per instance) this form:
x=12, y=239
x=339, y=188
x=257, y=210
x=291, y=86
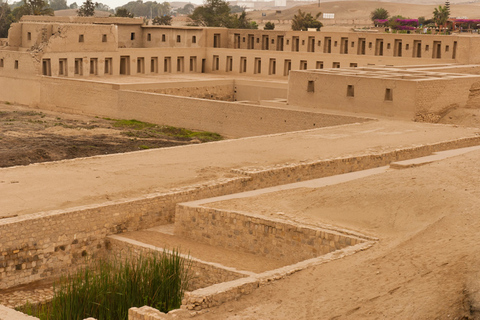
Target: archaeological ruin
x=304, y=113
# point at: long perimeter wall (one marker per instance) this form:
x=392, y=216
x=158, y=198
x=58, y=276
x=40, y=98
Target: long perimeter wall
x=226, y=118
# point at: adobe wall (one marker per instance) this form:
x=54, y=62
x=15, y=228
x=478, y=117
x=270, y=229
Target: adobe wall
x=43, y=245
x=409, y=97
x=436, y=97
x=226, y=118
x=330, y=92
x=271, y=238
x=20, y=91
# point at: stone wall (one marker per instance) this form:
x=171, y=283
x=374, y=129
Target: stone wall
x=39, y=246
x=272, y=238
x=262, y=177
x=42, y=245
x=204, y=274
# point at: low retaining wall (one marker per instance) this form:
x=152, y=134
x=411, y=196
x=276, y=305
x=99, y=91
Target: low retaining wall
x=205, y=273
x=263, y=177
x=42, y=245
x=272, y=238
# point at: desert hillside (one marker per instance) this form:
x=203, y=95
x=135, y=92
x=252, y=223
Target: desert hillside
x=360, y=10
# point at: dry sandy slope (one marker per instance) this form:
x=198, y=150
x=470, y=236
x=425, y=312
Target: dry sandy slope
x=425, y=265
x=361, y=10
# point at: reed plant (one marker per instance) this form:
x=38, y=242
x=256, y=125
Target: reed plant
x=108, y=288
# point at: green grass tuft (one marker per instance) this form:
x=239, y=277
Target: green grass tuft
x=142, y=129
x=108, y=289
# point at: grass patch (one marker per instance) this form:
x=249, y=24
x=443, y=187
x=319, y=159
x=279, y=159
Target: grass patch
x=108, y=289
x=142, y=129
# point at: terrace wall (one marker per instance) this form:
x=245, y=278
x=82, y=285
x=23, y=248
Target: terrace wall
x=272, y=238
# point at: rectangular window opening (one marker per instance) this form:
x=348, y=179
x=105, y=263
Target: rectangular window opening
x=108, y=66
x=93, y=66
x=81, y=38
x=303, y=65
x=258, y=66
x=388, y=94
x=193, y=64
x=287, y=67
x=104, y=38
x=311, y=86
x=79, y=66
x=350, y=91
x=243, y=64
x=46, y=67
x=149, y=37
x=132, y=36
x=180, y=64
x=229, y=66
x=167, y=64
x=62, y=67
x=272, y=68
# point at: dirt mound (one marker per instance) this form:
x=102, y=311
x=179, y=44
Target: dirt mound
x=30, y=136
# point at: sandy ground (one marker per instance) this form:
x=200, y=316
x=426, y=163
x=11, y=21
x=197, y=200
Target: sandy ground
x=425, y=265
x=99, y=179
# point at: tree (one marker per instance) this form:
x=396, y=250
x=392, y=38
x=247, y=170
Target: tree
x=58, y=4
x=187, y=9
x=165, y=20
x=87, y=9
x=147, y=9
x=269, y=26
x=440, y=15
x=6, y=19
x=236, y=9
x=214, y=13
x=74, y=6
x=103, y=7
x=35, y=7
x=303, y=21
x=122, y=12
x=379, y=14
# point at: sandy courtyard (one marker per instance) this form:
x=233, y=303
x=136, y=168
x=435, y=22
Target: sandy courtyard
x=425, y=265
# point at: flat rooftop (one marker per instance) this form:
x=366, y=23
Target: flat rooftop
x=391, y=74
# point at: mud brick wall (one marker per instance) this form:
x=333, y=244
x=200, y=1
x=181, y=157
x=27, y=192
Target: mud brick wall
x=204, y=274
x=44, y=245
x=274, y=238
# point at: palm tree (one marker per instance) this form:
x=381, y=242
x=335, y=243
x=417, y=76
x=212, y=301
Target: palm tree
x=440, y=15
